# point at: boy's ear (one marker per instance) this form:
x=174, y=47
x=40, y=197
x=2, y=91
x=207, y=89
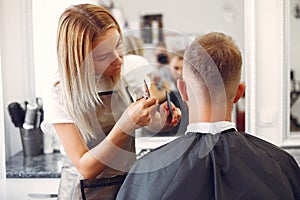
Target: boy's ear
x=182, y=89
x=240, y=92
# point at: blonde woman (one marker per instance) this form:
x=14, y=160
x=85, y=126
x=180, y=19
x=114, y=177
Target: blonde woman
x=89, y=108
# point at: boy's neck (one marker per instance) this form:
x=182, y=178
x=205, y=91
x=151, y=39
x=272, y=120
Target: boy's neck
x=207, y=114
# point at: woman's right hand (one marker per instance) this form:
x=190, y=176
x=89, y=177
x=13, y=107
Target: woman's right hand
x=138, y=114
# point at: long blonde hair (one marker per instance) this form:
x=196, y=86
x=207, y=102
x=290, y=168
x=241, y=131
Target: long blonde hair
x=79, y=26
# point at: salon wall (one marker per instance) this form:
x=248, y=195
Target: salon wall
x=264, y=71
x=13, y=61
x=189, y=16
x=269, y=64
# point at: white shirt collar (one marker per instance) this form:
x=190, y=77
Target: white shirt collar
x=208, y=127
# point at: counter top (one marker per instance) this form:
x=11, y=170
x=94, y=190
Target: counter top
x=49, y=165
x=41, y=166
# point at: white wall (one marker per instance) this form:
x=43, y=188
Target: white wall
x=45, y=22
x=190, y=16
x=14, y=64
x=269, y=68
x=266, y=75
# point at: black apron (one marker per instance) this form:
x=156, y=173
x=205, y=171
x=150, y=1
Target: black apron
x=107, y=184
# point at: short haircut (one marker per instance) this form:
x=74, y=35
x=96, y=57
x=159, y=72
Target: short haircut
x=214, y=59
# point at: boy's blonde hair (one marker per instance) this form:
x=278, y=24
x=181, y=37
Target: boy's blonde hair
x=216, y=62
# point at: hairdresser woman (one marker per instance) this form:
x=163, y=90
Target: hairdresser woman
x=89, y=108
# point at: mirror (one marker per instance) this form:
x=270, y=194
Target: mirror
x=291, y=72
x=294, y=63
x=291, y=68
x=226, y=16
x=195, y=17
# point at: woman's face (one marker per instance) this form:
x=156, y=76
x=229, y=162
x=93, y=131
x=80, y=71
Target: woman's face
x=107, y=54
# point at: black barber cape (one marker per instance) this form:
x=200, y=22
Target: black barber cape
x=229, y=165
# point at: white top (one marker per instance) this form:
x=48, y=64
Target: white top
x=54, y=111
x=210, y=128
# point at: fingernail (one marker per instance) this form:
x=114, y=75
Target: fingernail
x=166, y=108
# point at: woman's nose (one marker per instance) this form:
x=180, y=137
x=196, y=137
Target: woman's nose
x=118, y=58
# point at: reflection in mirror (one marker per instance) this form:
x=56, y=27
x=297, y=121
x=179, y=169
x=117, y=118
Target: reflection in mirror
x=294, y=67
x=196, y=18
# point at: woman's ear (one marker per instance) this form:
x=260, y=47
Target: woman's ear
x=240, y=91
x=182, y=89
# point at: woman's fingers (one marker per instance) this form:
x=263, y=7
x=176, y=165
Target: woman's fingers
x=141, y=112
x=149, y=102
x=171, y=119
x=176, y=116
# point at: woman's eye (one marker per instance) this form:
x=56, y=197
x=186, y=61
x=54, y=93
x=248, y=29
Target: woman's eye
x=101, y=58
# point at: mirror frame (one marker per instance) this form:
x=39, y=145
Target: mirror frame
x=249, y=38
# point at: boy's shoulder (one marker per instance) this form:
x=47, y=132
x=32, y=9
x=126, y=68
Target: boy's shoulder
x=274, y=151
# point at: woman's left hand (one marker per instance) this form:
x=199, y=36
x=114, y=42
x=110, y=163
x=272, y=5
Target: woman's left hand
x=171, y=116
x=162, y=119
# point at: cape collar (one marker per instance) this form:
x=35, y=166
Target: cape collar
x=211, y=128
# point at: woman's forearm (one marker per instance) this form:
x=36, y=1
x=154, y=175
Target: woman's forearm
x=105, y=153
